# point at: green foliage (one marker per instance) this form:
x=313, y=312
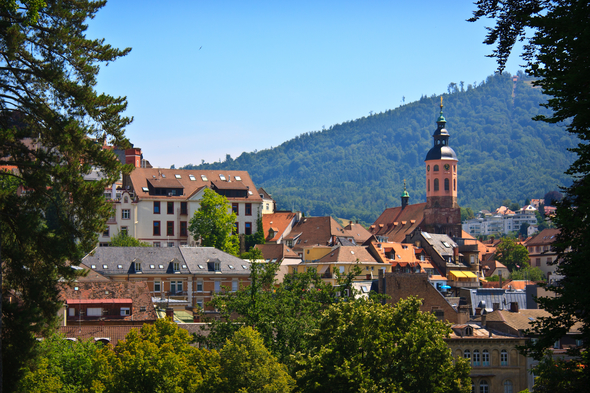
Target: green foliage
x=528, y=273
x=50, y=119
x=557, y=56
x=61, y=366
x=257, y=237
x=493, y=278
x=523, y=230
x=511, y=254
x=491, y=131
x=365, y=346
x=213, y=224
x=560, y=376
x=466, y=214
x=247, y=366
x=122, y=239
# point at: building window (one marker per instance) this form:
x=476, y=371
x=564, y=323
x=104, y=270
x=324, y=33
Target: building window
x=475, y=359
x=234, y=285
x=548, y=261
x=94, y=312
x=156, y=244
x=107, y=232
x=435, y=169
x=236, y=228
x=125, y=311
x=124, y=230
x=175, y=287
x=454, y=185
x=504, y=358
x=183, y=208
x=467, y=355
x=183, y=228
x=235, y=208
x=435, y=184
x=447, y=187
x=157, y=286
x=125, y=214
x=507, y=386
x=217, y=286
x=538, y=261
x=156, y=229
x=156, y=207
x=137, y=266
x=428, y=185
x=170, y=228
x=170, y=207
x=200, y=303
x=170, y=244
x=248, y=228
x=484, y=387
x=199, y=286
x=217, y=266
x=485, y=358
x=72, y=312
x=248, y=209
x=176, y=266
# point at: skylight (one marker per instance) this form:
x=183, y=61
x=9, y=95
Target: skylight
x=184, y=266
x=163, y=175
x=231, y=267
x=178, y=176
x=145, y=189
x=93, y=266
x=204, y=178
x=250, y=192
x=105, y=267
x=192, y=177
x=244, y=267
x=161, y=266
x=238, y=178
x=222, y=177
x=152, y=266
x=447, y=245
x=426, y=235
x=119, y=266
x=200, y=266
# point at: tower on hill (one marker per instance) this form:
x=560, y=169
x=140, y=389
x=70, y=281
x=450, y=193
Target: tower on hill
x=442, y=213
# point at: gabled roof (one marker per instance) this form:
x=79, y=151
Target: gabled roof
x=278, y=222
x=315, y=231
x=545, y=237
x=206, y=257
x=183, y=178
x=515, y=321
x=119, y=260
x=442, y=244
x=112, y=333
x=264, y=195
x=396, y=223
x=348, y=254
x=357, y=232
x=276, y=252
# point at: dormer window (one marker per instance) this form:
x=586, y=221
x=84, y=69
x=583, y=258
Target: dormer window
x=176, y=266
x=217, y=266
x=138, y=266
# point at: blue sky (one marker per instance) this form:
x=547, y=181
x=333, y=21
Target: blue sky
x=210, y=78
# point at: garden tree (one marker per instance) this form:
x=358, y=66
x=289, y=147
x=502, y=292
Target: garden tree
x=466, y=214
x=511, y=254
x=248, y=366
x=52, y=127
x=528, y=273
x=257, y=237
x=282, y=313
x=61, y=366
x=122, y=239
x=365, y=346
x=157, y=358
x=557, y=55
x=213, y=223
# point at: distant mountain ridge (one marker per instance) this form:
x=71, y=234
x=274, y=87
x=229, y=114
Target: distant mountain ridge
x=356, y=169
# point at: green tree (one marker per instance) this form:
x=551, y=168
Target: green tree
x=122, y=239
x=523, y=230
x=61, y=366
x=511, y=254
x=466, y=214
x=528, y=273
x=213, y=224
x=247, y=366
x=365, y=346
x=52, y=125
x=257, y=237
x=557, y=56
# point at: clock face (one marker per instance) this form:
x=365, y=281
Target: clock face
x=447, y=166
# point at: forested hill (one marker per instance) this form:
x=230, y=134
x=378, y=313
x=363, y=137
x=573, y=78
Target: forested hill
x=356, y=169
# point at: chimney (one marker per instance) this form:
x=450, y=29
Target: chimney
x=170, y=313
x=514, y=306
x=133, y=157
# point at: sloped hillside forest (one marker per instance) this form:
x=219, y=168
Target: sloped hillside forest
x=356, y=169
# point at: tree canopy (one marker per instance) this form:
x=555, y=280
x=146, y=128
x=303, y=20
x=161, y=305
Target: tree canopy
x=364, y=346
x=512, y=254
x=557, y=57
x=122, y=239
x=53, y=124
x=213, y=224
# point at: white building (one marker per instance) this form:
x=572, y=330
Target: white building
x=156, y=205
x=501, y=223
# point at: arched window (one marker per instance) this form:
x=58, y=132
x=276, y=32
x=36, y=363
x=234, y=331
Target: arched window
x=467, y=355
x=485, y=358
x=429, y=185
x=447, y=185
x=507, y=386
x=435, y=184
x=504, y=358
x=454, y=185
x=484, y=387
x=475, y=358
x=435, y=169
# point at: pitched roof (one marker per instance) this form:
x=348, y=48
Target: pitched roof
x=396, y=223
x=314, y=231
x=111, y=332
x=278, y=222
x=191, y=181
x=518, y=321
x=357, y=232
x=545, y=237
x=136, y=292
x=195, y=257
x=276, y=252
x=348, y=254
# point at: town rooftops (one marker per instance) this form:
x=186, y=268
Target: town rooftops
x=395, y=223
x=349, y=254
x=545, y=237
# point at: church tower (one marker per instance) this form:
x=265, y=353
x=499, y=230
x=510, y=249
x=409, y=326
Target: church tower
x=442, y=214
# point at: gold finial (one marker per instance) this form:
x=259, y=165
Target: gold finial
x=441, y=105
x=404, y=184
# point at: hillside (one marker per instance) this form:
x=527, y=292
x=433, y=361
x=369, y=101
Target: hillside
x=356, y=169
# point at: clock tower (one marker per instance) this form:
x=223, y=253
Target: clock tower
x=442, y=214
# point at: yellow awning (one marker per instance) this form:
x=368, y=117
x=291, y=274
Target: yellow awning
x=470, y=274
x=457, y=274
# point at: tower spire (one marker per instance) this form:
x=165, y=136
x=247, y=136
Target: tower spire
x=405, y=196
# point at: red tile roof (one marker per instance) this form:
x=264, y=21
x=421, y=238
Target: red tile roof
x=276, y=251
x=113, y=333
x=279, y=222
x=396, y=223
x=315, y=231
x=348, y=254
x=545, y=237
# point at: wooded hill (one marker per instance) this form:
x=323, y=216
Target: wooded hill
x=356, y=169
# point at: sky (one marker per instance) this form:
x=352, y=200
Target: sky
x=209, y=78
